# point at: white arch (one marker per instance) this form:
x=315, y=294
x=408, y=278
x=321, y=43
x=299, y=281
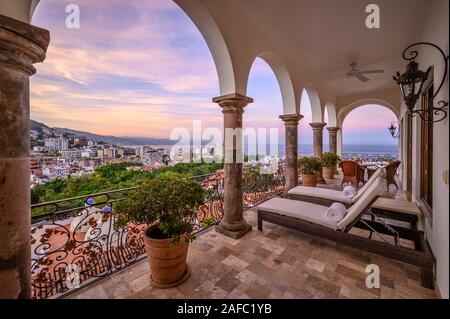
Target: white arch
x=215, y=41
x=330, y=108
x=343, y=112
x=21, y=10
x=284, y=81
x=316, y=107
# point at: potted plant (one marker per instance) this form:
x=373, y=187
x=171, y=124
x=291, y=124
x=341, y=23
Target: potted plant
x=168, y=204
x=329, y=161
x=309, y=168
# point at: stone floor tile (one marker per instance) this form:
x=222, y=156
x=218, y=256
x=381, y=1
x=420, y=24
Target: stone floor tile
x=247, y=277
x=235, y=262
x=277, y=263
x=315, y=264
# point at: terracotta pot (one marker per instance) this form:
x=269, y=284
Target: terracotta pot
x=309, y=180
x=328, y=172
x=168, y=267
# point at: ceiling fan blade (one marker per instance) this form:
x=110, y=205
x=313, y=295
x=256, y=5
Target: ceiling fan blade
x=362, y=78
x=371, y=72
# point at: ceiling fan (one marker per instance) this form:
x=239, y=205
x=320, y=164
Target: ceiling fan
x=359, y=74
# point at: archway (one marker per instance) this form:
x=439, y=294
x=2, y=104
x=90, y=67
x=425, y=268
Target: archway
x=365, y=134
x=263, y=113
x=152, y=66
x=305, y=131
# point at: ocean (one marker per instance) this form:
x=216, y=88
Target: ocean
x=349, y=151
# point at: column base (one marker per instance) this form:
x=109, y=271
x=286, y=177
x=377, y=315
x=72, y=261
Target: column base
x=235, y=234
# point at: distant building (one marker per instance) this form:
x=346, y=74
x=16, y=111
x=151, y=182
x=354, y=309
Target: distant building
x=81, y=141
x=37, y=163
x=56, y=144
x=110, y=152
x=129, y=151
x=90, y=162
x=88, y=153
x=72, y=154
x=151, y=158
x=141, y=150
x=38, y=149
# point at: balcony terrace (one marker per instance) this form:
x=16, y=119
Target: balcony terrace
x=275, y=263
x=308, y=45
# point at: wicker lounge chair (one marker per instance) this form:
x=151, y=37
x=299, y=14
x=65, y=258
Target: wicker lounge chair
x=310, y=218
x=391, y=169
x=353, y=172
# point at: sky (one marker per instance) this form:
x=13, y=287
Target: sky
x=141, y=68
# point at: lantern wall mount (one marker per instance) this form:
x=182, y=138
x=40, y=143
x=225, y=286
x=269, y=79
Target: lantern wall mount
x=394, y=129
x=412, y=81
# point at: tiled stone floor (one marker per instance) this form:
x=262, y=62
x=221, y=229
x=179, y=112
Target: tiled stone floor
x=275, y=263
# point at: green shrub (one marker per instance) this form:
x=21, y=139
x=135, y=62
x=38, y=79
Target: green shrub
x=170, y=199
x=309, y=165
x=330, y=159
x=208, y=221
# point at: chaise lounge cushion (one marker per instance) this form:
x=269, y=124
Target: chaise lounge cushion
x=335, y=195
x=320, y=192
x=375, y=189
x=302, y=210
x=379, y=172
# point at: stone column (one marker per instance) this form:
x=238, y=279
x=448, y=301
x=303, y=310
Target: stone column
x=233, y=223
x=318, y=143
x=291, y=149
x=332, y=133
x=21, y=45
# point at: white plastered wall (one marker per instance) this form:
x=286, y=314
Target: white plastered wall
x=435, y=30
x=437, y=228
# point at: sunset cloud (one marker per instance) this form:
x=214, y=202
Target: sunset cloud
x=141, y=68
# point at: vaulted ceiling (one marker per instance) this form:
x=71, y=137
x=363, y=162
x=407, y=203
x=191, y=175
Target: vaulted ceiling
x=321, y=38
x=326, y=36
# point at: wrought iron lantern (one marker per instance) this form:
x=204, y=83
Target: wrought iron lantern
x=411, y=83
x=394, y=129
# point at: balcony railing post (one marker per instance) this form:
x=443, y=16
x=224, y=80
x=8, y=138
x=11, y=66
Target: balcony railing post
x=21, y=45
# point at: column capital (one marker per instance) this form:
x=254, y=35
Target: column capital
x=291, y=119
x=21, y=45
x=318, y=125
x=333, y=129
x=233, y=102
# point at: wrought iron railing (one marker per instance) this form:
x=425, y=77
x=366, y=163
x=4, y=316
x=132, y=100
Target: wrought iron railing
x=78, y=234
x=261, y=183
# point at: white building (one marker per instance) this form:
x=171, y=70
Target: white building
x=72, y=154
x=88, y=153
x=56, y=143
x=38, y=149
x=151, y=158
